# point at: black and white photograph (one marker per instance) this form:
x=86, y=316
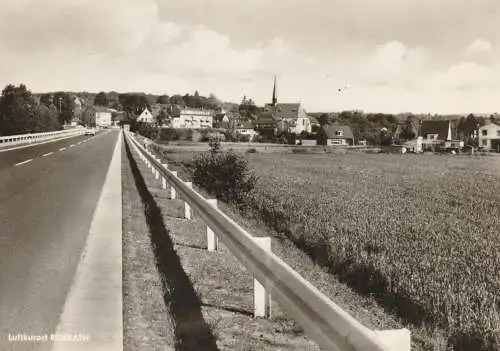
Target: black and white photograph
x=215, y=175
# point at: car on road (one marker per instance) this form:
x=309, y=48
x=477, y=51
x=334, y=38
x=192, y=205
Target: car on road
x=90, y=131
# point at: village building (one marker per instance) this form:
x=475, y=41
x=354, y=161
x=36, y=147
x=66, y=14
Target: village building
x=489, y=136
x=192, y=118
x=103, y=116
x=247, y=129
x=290, y=116
x=338, y=135
x=146, y=116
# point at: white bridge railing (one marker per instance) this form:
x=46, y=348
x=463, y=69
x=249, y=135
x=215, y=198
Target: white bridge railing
x=29, y=138
x=324, y=321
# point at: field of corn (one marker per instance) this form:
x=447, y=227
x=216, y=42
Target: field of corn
x=420, y=233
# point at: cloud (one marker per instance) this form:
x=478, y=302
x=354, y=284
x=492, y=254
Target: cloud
x=131, y=45
x=478, y=46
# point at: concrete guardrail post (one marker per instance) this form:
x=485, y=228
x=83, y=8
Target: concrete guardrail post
x=261, y=298
x=212, y=239
x=173, y=193
x=157, y=172
x=163, y=180
x=395, y=339
x=187, y=208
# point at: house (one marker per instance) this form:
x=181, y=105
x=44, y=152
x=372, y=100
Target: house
x=192, y=118
x=434, y=130
x=103, y=117
x=265, y=123
x=247, y=129
x=338, y=135
x=146, y=116
x=438, y=133
x=489, y=136
x=293, y=115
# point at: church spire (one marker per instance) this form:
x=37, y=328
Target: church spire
x=275, y=98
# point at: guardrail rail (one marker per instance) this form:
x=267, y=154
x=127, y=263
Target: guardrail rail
x=326, y=323
x=10, y=140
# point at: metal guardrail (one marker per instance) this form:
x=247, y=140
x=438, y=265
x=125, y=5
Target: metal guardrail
x=331, y=327
x=29, y=138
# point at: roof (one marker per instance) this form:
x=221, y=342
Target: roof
x=265, y=118
x=234, y=115
x=156, y=109
x=247, y=125
x=331, y=132
x=313, y=120
x=101, y=109
x=435, y=127
x=490, y=124
x=285, y=111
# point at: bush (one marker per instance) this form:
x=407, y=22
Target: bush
x=224, y=175
x=251, y=151
x=146, y=130
x=176, y=134
x=205, y=136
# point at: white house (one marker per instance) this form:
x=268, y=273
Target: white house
x=146, y=116
x=247, y=129
x=193, y=118
x=103, y=117
x=489, y=136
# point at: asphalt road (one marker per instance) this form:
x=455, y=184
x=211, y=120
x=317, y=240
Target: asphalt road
x=46, y=209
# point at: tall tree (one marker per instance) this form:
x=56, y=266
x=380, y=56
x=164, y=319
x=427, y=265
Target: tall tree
x=17, y=111
x=163, y=118
x=247, y=108
x=163, y=100
x=134, y=103
x=65, y=106
x=101, y=99
x=177, y=100
x=323, y=119
x=213, y=102
x=467, y=126
x=47, y=99
x=48, y=117
x=88, y=117
x=408, y=130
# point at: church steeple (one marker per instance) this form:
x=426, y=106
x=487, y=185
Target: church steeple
x=275, y=97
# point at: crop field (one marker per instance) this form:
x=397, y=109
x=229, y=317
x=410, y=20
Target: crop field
x=419, y=233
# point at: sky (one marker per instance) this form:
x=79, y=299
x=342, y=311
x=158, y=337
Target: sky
x=421, y=56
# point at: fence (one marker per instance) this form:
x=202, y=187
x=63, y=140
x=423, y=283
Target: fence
x=324, y=321
x=29, y=138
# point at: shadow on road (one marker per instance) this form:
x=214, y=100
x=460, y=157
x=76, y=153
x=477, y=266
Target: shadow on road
x=191, y=330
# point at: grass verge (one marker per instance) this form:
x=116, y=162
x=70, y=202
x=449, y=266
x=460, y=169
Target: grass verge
x=224, y=287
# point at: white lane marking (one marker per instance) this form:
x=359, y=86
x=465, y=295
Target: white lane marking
x=47, y=154
x=62, y=149
x=94, y=303
x=24, y=162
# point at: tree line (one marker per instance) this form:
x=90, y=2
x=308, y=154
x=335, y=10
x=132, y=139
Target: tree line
x=22, y=113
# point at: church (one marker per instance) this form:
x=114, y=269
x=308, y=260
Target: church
x=290, y=117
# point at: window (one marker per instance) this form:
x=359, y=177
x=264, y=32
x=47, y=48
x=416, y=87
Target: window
x=485, y=132
x=339, y=133
x=498, y=132
x=484, y=142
